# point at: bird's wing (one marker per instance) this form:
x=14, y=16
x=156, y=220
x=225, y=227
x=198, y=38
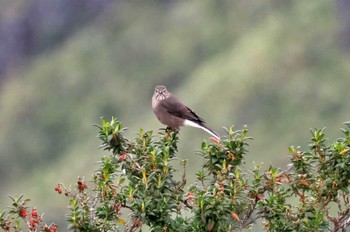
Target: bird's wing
x=178, y=109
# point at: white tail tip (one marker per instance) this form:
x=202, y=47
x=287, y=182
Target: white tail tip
x=193, y=124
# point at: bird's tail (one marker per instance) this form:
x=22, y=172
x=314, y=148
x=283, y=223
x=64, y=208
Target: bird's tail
x=210, y=131
x=203, y=127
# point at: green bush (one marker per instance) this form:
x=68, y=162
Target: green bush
x=135, y=185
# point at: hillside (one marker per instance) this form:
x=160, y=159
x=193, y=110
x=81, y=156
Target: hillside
x=278, y=67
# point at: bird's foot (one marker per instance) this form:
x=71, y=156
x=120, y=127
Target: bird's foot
x=169, y=130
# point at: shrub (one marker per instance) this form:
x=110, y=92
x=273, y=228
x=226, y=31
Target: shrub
x=135, y=184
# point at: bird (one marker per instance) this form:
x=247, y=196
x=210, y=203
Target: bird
x=173, y=113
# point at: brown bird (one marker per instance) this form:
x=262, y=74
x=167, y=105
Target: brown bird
x=173, y=113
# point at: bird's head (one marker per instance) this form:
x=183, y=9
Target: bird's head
x=160, y=92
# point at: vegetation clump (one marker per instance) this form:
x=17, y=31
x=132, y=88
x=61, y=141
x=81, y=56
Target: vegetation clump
x=136, y=184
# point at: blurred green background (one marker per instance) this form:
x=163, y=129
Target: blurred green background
x=281, y=67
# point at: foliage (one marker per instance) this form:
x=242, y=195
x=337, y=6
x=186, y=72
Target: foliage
x=18, y=213
x=135, y=184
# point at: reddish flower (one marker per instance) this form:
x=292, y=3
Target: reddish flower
x=266, y=224
x=216, y=141
x=235, y=216
x=190, y=195
x=79, y=182
x=53, y=228
x=81, y=185
x=191, y=198
x=58, y=189
x=34, y=213
x=23, y=213
x=33, y=222
x=222, y=187
x=260, y=197
x=117, y=207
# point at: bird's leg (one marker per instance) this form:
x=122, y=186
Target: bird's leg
x=168, y=130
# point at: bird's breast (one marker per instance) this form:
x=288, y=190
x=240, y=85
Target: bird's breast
x=155, y=102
